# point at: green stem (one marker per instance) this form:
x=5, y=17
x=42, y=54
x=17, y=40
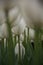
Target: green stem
x=15, y=39
x=37, y=47
x=19, y=50
x=2, y=50
x=24, y=39
x=10, y=42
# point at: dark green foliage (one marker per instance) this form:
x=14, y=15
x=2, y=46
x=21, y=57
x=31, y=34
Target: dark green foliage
x=33, y=56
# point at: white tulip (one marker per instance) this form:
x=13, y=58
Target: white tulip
x=32, y=10
x=19, y=27
x=17, y=20
x=13, y=14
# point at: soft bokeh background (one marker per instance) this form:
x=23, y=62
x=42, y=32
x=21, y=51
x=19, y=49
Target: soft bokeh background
x=21, y=32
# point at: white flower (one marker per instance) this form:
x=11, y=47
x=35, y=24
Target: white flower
x=22, y=49
x=13, y=14
x=19, y=27
x=3, y=31
x=16, y=21
x=31, y=33
x=22, y=37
